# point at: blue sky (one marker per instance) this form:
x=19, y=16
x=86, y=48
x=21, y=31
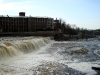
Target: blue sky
x=82, y=13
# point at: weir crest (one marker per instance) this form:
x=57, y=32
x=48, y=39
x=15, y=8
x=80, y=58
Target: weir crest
x=27, y=45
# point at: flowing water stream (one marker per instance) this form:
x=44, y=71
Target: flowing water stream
x=42, y=56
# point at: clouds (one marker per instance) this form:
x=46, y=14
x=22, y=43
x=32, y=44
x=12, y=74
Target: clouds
x=77, y=12
x=1, y=1
x=31, y=7
x=6, y=7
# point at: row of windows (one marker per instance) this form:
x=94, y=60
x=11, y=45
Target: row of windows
x=25, y=21
x=14, y=22
x=8, y=18
x=14, y=25
x=38, y=23
x=38, y=26
x=39, y=19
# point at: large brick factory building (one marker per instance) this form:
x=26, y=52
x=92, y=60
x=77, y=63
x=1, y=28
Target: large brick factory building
x=24, y=23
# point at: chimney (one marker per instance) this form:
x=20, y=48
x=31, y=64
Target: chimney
x=21, y=13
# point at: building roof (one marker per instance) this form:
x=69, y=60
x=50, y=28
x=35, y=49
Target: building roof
x=24, y=16
x=14, y=16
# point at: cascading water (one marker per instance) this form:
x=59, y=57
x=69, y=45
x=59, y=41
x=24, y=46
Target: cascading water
x=35, y=56
x=14, y=47
x=19, y=53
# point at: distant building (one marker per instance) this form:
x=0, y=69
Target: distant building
x=23, y=23
x=14, y=23
x=57, y=25
x=39, y=23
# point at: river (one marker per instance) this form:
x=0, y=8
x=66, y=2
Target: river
x=43, y=56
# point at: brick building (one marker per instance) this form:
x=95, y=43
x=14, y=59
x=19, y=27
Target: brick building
x=39, y=23
x=23, y=23
x=14, y=23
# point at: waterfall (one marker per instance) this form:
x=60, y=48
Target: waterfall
x=14, y=47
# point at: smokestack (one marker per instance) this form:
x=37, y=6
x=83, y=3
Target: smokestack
x=21, y=13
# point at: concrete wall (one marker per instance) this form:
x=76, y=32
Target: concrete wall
x=39, y=33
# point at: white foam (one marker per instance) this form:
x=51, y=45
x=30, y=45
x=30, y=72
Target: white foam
x=85, y=67
x=23, y=63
